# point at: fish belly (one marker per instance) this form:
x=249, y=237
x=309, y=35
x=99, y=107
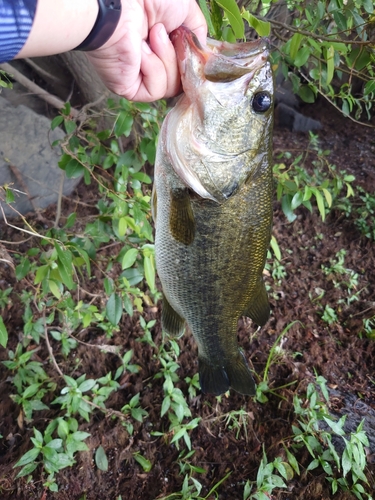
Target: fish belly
x=217, y=277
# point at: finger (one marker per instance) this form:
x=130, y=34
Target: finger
x=196, y=22
x=152, y=82
x=163, y=48
x=189, y=14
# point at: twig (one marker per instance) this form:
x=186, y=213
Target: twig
x=313, y=35
x=59, y=199
x=35, y=89
x=42, y=72
x=50, y=348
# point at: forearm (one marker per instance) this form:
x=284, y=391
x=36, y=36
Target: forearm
x=59, y=26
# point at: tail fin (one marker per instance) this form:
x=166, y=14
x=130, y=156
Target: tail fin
x=240, y=376
x=216, y=379
x=213, y=379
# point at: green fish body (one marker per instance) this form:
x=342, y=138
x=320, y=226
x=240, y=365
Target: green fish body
x=212, y=203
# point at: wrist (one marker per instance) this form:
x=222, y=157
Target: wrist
x=59, y=26
x=104, y=27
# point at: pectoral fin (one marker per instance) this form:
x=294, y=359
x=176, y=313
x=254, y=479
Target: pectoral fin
x=259, y=308
x=182, y=221
x=171, y=322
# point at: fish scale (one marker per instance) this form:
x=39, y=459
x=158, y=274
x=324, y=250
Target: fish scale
x=210, y=252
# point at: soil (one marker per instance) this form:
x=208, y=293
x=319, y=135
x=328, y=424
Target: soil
x=340, y=352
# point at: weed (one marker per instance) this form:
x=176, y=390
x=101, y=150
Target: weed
x=296, y=187
x=329, y=315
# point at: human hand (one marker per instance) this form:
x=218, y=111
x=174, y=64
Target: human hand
x=139, y=61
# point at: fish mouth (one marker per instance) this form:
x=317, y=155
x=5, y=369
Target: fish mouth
x=218, y=61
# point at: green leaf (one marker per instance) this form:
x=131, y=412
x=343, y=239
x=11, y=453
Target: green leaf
x=263, y=28
x=302, y=56
x=330, y=54
x=74, y=169
x=54, y=288
x=3, y=333
x=28, y=457
x=328, y=196
x=28, y=469
x=9, y=196
x=295, y=43
x=114, y=309
x=306, y=94
x=124, y=124
x=30, y=391
x=369, y=87
x=143, y=462
x=207, y=16
x=320, y=203
x=70, y=126
x=234, y=16
x=129, y=258
x=56, y=122
x=87, y=385
x=65, y=266
x=122, y=227
x=275, y=247
x=285, y=205
x=41, y=273
x=149, y=267
x=101, y=459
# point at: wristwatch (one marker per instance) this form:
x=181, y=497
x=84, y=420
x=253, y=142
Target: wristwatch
x=104, y=27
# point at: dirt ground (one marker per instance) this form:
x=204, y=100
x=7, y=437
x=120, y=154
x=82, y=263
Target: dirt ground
x=340, y=352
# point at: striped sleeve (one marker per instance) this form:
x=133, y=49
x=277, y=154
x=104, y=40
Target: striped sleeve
x=16, y=19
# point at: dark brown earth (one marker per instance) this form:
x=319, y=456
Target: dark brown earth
x=340, y=352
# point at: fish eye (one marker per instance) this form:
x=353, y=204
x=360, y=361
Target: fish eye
x=261, y=102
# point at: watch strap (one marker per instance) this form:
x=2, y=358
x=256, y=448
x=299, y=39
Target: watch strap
x=104, y=27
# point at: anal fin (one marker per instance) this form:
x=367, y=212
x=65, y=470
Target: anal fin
x=259, y=308
x=171, y=322
x=181, y=218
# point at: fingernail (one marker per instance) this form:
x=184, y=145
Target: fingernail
x=146, y=48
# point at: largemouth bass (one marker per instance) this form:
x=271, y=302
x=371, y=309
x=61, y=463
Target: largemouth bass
x=212, y=202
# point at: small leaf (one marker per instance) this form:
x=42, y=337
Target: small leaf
x=143, y=462
x=124, y=124
x=56, y=122
x=330, y=64
x=302, y=56
x=3, y=333
x=149, y=267
x=65, y=265
x=207, y=16
x=101, y=459
x=54, y=289
x=275, y=247
x=114, y=309
x=9, y=196
x=28, y=469
x=306, y=94
x=73, y=169
x=87, y=385
x=129, y=258
x=295, y=44
x=70, y=126
x=263, y=28
x=234, y=16
x=28, y=457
